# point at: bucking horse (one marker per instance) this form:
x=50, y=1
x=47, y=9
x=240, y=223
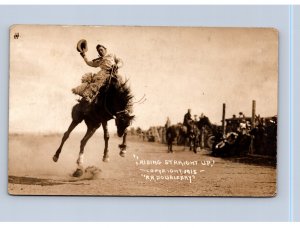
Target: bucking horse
x=114, y=101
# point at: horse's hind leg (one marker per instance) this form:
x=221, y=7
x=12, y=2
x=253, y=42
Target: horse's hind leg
x=106, y=138
x=64, y=138
x=89, y=133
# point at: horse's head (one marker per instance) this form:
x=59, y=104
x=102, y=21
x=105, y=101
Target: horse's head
x=123, y=120
x=204, y=121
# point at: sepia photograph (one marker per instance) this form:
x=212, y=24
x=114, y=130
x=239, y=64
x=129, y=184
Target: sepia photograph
x=143, y=111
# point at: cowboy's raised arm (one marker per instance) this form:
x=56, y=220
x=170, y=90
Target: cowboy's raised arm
x=93, y=63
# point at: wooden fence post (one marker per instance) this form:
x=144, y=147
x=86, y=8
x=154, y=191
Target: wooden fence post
x=253, y=114
x=252, y=149
x=223, y=119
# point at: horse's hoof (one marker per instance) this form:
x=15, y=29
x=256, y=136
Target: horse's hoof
x=55, y=158
x=105, y=159
x=78, y=173
x=123, y=153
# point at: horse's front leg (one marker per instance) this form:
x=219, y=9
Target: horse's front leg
x=123, y=145
x=185, y=141
x=106, y=138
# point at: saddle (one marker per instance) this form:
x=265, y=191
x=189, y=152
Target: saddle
x=91, y=85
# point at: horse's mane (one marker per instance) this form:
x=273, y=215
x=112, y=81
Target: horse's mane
x=125, y=95
x=121, y=90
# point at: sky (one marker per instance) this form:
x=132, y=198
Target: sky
x=175, y=68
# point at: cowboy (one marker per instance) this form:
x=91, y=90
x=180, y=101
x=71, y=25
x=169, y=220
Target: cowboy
x=187, y=120
x=108, y=65
x=168, y=123
x=243, y=126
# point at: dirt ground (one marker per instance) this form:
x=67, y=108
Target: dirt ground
x=147, y=170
